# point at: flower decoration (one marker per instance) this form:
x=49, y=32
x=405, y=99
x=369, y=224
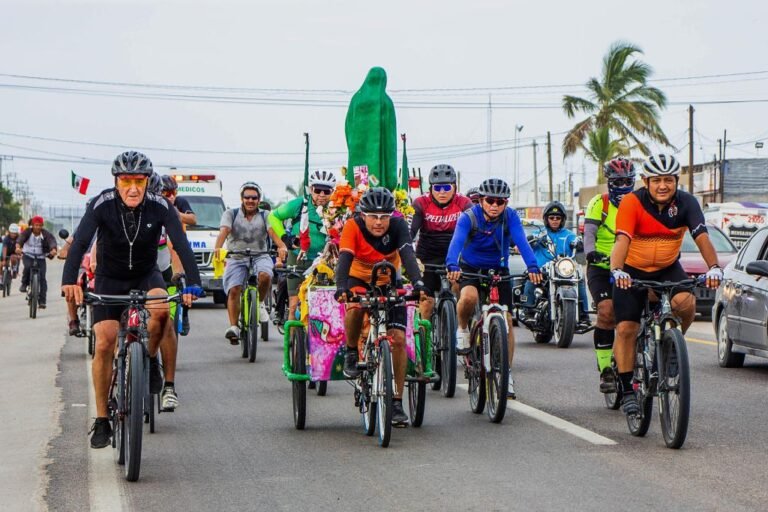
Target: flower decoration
x=340, y=207
x=403, y=203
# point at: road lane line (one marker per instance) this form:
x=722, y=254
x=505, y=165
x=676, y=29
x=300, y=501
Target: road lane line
x=554, y=421
x=702, y=342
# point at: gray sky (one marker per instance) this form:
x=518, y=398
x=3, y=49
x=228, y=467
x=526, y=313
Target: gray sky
x=330, y=46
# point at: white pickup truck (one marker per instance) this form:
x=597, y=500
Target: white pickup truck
x=738, y=220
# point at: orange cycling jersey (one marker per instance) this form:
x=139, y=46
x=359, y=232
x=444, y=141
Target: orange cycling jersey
x=369, y=250
x=656, y=235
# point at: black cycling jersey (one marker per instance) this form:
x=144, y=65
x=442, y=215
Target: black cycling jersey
x=119, y=226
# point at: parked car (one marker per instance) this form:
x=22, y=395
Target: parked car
x=694, y=265
x=740, y=311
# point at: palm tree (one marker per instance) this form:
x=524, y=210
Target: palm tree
x=600, y=148
x=621, y=101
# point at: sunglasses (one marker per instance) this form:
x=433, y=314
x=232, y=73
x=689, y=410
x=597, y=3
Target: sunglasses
x=552, y=217
x=622, y=182
x=251, y=198
x=168, y=193
x=378, y=216
x=442, y=188
x=130, y=181
x=498, y=201
x=322, y=191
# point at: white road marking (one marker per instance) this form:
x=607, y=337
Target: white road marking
x=554, y=421
x=79, y=405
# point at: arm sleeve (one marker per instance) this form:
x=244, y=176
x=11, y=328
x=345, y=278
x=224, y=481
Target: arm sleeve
x=85, y=232
x=590, y=237
x=407, y=254
x=521, y=242
x=460, y=234
x=181, y=246
x=279, y=215
x=418, y=218
x=342, y=270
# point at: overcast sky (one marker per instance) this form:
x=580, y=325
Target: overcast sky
x=330, y=45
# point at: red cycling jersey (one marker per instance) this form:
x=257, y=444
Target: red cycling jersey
x=436, y=225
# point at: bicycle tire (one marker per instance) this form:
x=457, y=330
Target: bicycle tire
x=613, y=400
x=417, y=390
x=136, y=390
x=6, y=282
x=115, y=404
x=498, y=379
x=322, y=387
x=385, y=393
x=674, y=388
x=299, y=365
x=476, y=373
x=34, y=294
x=252, y=339
x=448, y=322
x=244, y=327
x=565, y=323
x=639, y=423
x=437, y=361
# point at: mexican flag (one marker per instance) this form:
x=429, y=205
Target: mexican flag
x=80, y=183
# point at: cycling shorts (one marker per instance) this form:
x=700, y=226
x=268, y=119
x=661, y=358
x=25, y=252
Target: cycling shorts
x=505, y=287
x=110, y=286
x=398, y=316
x=431, y=278
x=628, y=304
x=600, y=285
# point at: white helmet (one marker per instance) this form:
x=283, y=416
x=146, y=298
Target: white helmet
x=322, y=178
x=661, y=165
x=252, y=186
x=13, y=229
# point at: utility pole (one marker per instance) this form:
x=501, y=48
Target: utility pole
x=722, y=167
x=535, y=178
x=490, y=133
x=690, y=149
x=549, y=163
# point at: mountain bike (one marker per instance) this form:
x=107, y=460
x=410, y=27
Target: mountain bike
x=129, y=386
x=661, y=365
x=444, y=324
x=249, y=321
x=33, y=293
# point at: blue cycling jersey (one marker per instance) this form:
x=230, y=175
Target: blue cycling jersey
x=488, y=248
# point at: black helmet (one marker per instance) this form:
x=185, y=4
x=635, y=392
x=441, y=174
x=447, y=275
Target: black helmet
x=474, y=194
x=442, y=173
x=132, y=162
x=377, y=200
x=155, y=185
x=555, y=208
x=494, y=187
x=169, y=183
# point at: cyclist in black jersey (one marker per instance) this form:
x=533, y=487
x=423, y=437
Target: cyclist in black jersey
x=129, y=222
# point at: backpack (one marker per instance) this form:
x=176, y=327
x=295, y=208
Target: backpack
x=606, y=205
x=236, y=211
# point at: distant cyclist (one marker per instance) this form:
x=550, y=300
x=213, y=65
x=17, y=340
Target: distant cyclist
x=474, y=195
x=8, y=255
x=36, y=243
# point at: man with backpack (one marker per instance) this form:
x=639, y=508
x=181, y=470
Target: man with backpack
x=245, y=228
x=599, y=237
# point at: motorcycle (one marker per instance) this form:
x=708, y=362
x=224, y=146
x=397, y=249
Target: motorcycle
x=556, y=310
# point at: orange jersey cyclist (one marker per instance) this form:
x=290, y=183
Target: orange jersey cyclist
x=650, y=225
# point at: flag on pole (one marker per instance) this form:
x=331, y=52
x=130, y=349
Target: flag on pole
x=80, y=183
x=404, y=174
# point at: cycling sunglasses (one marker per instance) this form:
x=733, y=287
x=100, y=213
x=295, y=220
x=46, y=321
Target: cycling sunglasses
x=169, y=193
x=498, y=201
x=251, y=198
x=446, y=187
x=555, y=216
x=622, y=182
x=321, y=191
x=378, y=216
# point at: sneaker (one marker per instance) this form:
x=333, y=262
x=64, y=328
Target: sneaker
x=350, y=364
x=607, y=381
x=41, y=305
x=23, y=289
x=233, y=335
x=74, y=327
x=155, y=376
x=399, y=418
x=629, y=404
x=185, y=323
x=462, y=341
x=511, y=388
x=169, y=399
x=102, y=433
x=584, y=322
x=263, y=313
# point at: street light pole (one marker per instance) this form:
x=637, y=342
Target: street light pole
x=518, y=129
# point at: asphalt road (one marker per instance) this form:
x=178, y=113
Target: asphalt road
x=231, y=445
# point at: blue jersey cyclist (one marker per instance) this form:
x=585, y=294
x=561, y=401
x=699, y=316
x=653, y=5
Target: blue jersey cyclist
x=563, y=240
x=481, y=242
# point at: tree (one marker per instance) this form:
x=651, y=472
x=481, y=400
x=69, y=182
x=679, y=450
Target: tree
x=600, y=148
x=619, y=101
x=10, y=210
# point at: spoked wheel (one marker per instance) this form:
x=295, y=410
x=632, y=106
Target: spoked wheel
x=447, y=336
x=384, y=390
x=118, y=423
x=498, y=377
x=367, y=405
x=437, y=351
x=476, y=373
x=299, y=365
x=674, y=388
x=135, y=380
x=252, y=339
x=417, y=390
x=613, y=400
x=322, y=387
x=34, y=294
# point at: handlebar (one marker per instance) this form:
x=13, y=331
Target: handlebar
x=667, y=285
x=127, y=300
x=245, y=252
x=372, y=297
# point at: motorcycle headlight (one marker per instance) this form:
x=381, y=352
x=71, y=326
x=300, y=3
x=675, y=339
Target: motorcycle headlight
x=565, y=268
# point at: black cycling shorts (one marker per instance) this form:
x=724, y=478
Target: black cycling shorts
x=398, y=316
x=110, y=286
x=505, y=287
x=431, y=278
x=628, y=304
x=600, y=285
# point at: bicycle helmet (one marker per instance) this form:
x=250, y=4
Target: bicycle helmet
x=14, y=229
x=618, y=168
x=661, y=165
x=169, y=184
x=132, y=162
x=494, y=187
x=322, y=178
x=473, y=194
x=155, y=185
x=252, y=186
x=377, y=200
x=555, y=208
x=442, y=174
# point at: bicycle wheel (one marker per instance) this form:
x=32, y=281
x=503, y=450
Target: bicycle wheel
x=417, y=390
x=638, y=423
x=674, y=388
x=34, y=294
x=116, y=401
x=135, y=391
x=299, y=365
x=497, y=378
x=437, y=361
x=384, y=389
x=252, y=339
x=448, y=348
x=613, y=400
x=6, y=282
x=476, y=372
x=244, y=327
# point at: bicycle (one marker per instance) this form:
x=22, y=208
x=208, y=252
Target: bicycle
x=444, y=324
x=8, y=272
x=33, y=294
x=249, y=306
x=129, y=387
x=661, y=365
x=85, y=315
x=486, y=361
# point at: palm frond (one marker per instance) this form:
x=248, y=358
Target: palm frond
x=574, y=139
